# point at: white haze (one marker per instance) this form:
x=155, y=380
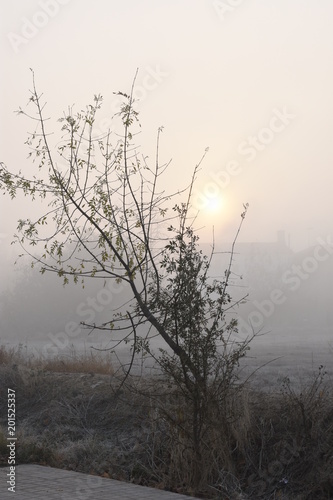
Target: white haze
x=253, y=83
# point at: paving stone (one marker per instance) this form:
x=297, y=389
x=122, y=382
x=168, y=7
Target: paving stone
x=36, y=482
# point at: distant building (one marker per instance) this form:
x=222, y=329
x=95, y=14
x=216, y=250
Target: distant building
x=258, y=264
x=303, y=279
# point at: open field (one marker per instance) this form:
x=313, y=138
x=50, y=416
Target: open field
x=296, y=354
x=299, y=351
x=278, y=441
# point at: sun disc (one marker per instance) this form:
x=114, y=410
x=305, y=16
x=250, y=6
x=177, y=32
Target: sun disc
x=214, y=204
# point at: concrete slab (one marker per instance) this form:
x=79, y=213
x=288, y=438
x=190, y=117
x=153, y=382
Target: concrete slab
x=36, y=482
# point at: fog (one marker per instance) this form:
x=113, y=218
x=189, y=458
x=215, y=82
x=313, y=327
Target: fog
x=252, y=81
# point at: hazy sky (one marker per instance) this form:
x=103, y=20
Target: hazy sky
x=251, y=80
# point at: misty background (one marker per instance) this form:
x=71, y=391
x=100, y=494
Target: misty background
x=250, y=81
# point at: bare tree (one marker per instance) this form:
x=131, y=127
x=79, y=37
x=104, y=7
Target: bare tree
x=104, y=208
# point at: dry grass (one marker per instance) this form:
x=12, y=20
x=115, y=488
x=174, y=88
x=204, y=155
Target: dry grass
x=10, y=355
x=266, y=445
x=92, y=362
x=89, y=362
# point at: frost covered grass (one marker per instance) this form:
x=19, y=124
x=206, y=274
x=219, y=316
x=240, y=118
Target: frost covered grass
x=275, y=443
